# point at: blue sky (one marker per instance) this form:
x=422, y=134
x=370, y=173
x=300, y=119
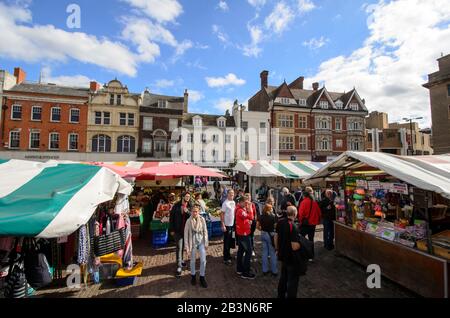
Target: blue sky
x=216, y=49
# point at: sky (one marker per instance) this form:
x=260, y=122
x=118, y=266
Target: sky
x=217, y=48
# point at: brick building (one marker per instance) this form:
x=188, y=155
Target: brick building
x=439, y=87
x=40, y=121
x=311, y=124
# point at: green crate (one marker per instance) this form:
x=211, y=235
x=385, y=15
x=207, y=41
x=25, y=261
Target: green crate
x=158, y=226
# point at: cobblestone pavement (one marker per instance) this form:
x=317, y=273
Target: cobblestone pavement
x=330, y=275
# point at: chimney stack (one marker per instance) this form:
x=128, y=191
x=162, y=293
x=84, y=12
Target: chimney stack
x=315, y=86
x=186, y=102
x=94, y=86
x=298, y=83
x=20, y=75
x=264, y=79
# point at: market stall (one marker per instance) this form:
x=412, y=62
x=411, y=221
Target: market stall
x=395, y=213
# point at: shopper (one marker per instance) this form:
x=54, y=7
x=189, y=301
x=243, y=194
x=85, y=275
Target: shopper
x=227, y=219
x=287, y=199
x=266, y=224
x=196, y=239
x=239, y=194
x=178, y=217
x=298, y=195
x=255, y=210
x=216, y=187
x=309, y=215
x=244, y=218
x=286, y=242
x=199, y=200
x=328, y=210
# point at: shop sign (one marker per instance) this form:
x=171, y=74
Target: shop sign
x=399, y=188
x=386, y=186
x=361, y=183
x=374, y=185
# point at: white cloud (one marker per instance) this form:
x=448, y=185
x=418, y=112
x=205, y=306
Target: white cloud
x=160, y=10
x=195, y=96
x=257, y=3
x=253, y=49
x=224, y=104
x=228, y=80
x=280, y=18
x=221, y=35
x=65, y=80
x=164, y=83
x=406, y=37
x=314, y=44
x=223, y=6
x=305, y=6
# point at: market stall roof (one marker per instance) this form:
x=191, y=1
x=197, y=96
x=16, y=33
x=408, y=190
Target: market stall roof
x=244, y=165
x=52, y=199
x=285, y=169
x=141, y=164
x=123, y=171
x=426, y=172
x=177, y=170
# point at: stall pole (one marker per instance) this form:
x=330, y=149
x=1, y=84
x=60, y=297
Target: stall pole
x=428, y=215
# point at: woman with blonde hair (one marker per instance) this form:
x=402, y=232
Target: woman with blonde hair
x=266, y=224
x=196, y=239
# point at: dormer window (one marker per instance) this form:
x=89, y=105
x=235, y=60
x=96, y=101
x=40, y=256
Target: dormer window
x=339, y=104
x=323, y=104
x=119, y=99
x=285, y=101
x=111, y=99
x=162, y=104
x=221, y=123
x=354, y=106
x=197, y=121
x=302, y=102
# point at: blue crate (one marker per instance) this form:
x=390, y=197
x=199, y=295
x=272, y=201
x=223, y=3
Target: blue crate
x=126, y=281
x=160, y=239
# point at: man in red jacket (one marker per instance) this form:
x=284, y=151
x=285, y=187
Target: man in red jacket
x=244, y=218
x=309, y=215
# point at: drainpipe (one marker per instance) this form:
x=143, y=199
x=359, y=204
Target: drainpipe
x=4, y=108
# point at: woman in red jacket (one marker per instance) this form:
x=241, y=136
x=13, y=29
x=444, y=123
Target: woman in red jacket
x=309, y=215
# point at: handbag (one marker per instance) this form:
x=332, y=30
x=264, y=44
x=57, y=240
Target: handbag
x=108, y=243
x=37, y=269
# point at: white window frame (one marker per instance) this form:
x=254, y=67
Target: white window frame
x=147, y=141
x=228, y=139
x=302, y=102
x=302, y=121
x=112, y=99
x=190, y=155
x=286, y=142
x=118, y=98
x=322, y=143
x=262, y=149
x=10, y=134
x=32, y=112
x=147, y=123
x=323, y=123
x=354, y=143
x=29, y=142
x=336, y=121
x=227, y=155
x=51, y=114
x=70, y=115
x=215, y=138
x=190, y=138
x=354, y=106
x=339, y=143
x=324, y=104
x=339, y=105
x=104, y=117
x=131, y=120
x=123, y=119
x=221, y=123
x=162, y=103
x=173, y=124
x=69, y=141
x=96, y=117
x=50, y=140
x=285, y=121
x=12, y=112
x=285, y=100
x=197, y=122
x=262, y=127
x=303, y=143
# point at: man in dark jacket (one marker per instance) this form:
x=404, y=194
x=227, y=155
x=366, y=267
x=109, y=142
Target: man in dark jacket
x=328, y=210
x=287, y=199
x=179, y=214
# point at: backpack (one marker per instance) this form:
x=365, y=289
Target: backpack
x=305, y=252
x=37, y=269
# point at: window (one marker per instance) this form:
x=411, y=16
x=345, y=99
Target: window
x=355, y=125
x=323, y=104
x=111, y=99
x=215, y=138
x=162, y=104
x=101, y=143
x=146, y=145
x=35, y=139
x=190, y=155
x=339, y=104
x=354, y=145
x=245, y=125
x=203, y=156
x=36, y=113
x=354, y=106
x=173, y=124
x=228, y=139
x=221, y=123
x=54, y=141
x=160, y=146
x=215, y=155
x=338, y=124
x=148, y=123
x=98, y=118
x=369, y=137
x=190, y=138
x=126, y=144
x=303, y=143
x=173, y=146
x=302, y=102
x=55, y=114
x=285, y=121
x=448, y=90
x=122, y=119
x=74, y=115
x=262, y=149
x=286, y=143
x=204, y=138
x=339, y=143
x=106, y=118
x=131, y=120
x=302, y=122
x=227, y=155
x=14, y=139
x=73, y=142
x=323, y=123
x=285, y=101
x=262, y=127
x=324, y=144
x=119, y=99
x=197, y=121
x=16, y=112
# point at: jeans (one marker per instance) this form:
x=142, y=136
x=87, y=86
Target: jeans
x=252, y=234
x=244, y=254
x=328, y=234
x=309, y=230
x=202, y=252
x=288, y=283
x=268, y=250
x=179, y=240
x=227, y=237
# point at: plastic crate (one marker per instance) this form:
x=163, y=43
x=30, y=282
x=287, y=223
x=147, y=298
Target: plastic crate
x=126, y=281
x=216, y=229
x=108, y=271
x=160, y=238
x=157, y=225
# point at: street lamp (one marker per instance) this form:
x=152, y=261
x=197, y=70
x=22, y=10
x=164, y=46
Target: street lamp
x=411, y=131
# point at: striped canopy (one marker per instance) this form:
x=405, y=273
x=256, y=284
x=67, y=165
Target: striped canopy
x=285, y=169
x=52, y=199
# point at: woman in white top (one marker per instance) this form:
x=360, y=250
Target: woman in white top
x=196, y=239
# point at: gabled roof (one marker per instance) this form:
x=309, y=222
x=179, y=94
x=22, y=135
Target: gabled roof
x=50, y=89
x=151, y=100
x=208, y=120
x=283, y=89
x=323, y=91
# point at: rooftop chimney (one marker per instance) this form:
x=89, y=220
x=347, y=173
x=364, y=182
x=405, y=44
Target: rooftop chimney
x=186, y=101
x=298, y=83
x=94, y=86
x=315, y=86
x=20, y=75
x=264, y=79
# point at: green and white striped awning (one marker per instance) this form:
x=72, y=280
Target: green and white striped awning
x=284, y=169
x=52, y=199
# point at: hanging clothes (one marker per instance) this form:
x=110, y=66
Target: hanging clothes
x=83, y=245
x=128, y=253
x=122, y=204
